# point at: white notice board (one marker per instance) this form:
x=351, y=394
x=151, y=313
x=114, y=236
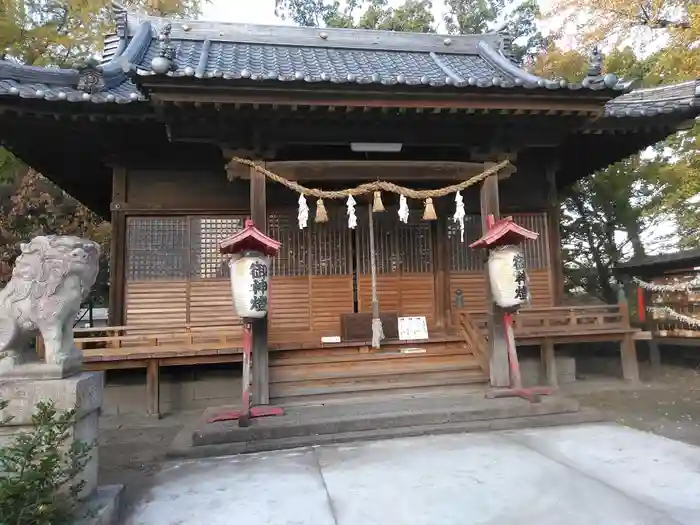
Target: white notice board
x=413, y=328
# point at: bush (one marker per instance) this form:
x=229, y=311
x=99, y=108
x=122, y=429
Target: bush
x=38, y=470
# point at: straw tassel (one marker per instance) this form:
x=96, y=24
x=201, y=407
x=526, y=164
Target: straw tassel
x=321, y=213
x=378, y=205
x=429, y=213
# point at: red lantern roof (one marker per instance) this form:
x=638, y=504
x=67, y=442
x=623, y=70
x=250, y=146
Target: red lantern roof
x=250, y=239
x=503, y=232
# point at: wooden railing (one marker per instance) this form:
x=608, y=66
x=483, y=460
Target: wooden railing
x=565, y=320
x=145, y=342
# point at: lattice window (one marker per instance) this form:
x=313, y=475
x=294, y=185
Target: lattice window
x=329, y=243
x=462, y=257
x=206, y=232
x=399, y=247
x=293, y=258
x=465, y=259
x=157, y=248
x=537, y=251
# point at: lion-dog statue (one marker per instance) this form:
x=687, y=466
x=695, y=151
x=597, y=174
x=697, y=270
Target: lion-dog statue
x=52, y=276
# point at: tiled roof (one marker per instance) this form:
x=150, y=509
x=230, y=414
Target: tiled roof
x=301, y=54
x=661, y=261
x=144, y=46
x=659, y=100
x=122, y=94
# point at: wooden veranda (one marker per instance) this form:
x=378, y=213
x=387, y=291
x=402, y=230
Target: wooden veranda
x=306, y=371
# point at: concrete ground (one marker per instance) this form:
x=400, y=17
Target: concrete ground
x=587, y=474
x=132, y=448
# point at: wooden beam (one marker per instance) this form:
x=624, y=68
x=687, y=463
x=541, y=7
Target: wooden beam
x=498, y=342
x=117, y=287
x=261, y=370
x=378, y=99
x=554, y=237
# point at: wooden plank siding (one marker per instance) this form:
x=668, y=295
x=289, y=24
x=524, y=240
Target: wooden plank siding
x=175, y=273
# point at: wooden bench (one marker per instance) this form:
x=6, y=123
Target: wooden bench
x=151, y=347
x=551, y=326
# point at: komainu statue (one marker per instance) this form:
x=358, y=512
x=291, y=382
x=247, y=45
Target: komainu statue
x=51, y=277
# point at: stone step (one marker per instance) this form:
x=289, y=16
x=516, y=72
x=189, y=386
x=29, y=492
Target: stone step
x=182, y=445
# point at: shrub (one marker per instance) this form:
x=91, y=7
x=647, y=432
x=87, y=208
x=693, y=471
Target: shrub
x=38, y=471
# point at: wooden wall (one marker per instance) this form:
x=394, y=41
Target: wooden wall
x=174, y=274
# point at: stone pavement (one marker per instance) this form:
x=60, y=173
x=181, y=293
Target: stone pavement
x=577, y=475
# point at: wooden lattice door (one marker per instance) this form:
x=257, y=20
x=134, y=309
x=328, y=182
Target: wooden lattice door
x=405, y=256
x=312, y=277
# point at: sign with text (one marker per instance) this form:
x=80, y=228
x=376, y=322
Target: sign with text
x=413, y=328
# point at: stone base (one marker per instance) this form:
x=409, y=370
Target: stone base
x=83, y=391
x=532, y=371
x=104, y=507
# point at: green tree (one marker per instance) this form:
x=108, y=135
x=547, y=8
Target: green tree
x=59, y=32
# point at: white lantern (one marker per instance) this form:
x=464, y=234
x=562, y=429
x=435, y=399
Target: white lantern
x=508, y=278
x=250, y=283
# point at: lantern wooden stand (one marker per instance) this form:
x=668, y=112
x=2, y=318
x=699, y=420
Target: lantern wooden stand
x=250, y=251
x=500, y=234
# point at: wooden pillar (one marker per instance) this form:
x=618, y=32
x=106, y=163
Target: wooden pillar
x=443, y=311
x=649, y=325
x=549, y=363
x=261, y=371
x=498, y=343
x=628, y=348
x=554, y=247
x=117, y=261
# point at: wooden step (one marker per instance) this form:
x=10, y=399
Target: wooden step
x=306, y=357
x=344, y=398
x=362, y=384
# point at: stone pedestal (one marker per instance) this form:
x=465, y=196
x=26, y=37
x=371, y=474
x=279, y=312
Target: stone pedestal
x=83, y=391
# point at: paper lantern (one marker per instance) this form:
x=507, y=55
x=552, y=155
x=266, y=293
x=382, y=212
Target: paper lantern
x=250, y=282
x=508, y=278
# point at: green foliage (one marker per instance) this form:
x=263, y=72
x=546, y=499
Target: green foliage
x=39, y=470
x=38, y=207
x=58, y=33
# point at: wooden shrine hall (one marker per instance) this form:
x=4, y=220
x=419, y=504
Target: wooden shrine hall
x=146, y=138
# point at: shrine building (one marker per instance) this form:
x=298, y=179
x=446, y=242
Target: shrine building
x=146, y=138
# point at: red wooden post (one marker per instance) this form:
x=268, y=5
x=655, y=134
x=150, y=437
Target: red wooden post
x=499, y=233
x=641, y=307
x=250, y=239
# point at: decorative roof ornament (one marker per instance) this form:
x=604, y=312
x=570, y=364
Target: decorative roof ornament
x=165, y=61
x=120, y=19
x=90, y=76
x=595, y=79
x=506, y=46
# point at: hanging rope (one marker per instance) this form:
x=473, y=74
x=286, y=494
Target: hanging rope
x=371, y=187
